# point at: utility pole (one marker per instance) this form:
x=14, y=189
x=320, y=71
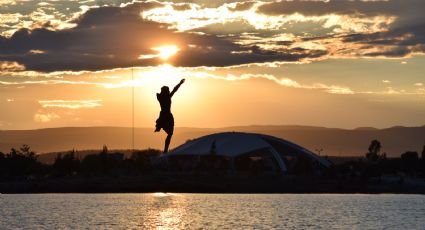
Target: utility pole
x=132, y=109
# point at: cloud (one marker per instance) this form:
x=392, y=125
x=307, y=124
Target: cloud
x=158, y=76
x=241, y=6
x=70, y=104
x=52, y=82
x=375, y=29
x=398, y=43
x=155, y=76
x=44, y=117
x=246, y=14
x=104, y=38
x=37, y=52
x=31, y=14
x=408, y=13
x=401, y=32
x=287, y=82
x=231, y=33
x=10, y=18
x=323, y=7
x=7, y=2
x=6, y=66
x=114, y=37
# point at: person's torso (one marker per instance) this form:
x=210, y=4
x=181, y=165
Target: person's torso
x=165, y=102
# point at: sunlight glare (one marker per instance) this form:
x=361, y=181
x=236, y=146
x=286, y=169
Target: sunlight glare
x=165, y=52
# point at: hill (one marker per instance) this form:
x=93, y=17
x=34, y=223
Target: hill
x=333, y=141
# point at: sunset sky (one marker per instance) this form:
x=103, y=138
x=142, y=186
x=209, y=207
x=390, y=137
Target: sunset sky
x=333, y=63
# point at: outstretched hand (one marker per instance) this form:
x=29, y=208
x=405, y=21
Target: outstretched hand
x=177, y=87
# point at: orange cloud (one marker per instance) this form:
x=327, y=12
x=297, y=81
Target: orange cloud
x=70, y=104
x=9, y=66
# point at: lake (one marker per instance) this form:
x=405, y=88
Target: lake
x=212, y=211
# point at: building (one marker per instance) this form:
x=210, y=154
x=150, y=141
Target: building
x=236, y=152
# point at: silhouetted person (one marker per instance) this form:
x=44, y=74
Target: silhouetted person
x=166, y=119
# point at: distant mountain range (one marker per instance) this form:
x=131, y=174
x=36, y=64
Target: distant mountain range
x=332, y=141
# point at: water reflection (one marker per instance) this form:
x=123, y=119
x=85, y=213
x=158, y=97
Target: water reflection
x=162, y=194
x=167, y=211
x=211, y=211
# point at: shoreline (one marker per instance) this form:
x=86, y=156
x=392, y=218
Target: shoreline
x=210, y=184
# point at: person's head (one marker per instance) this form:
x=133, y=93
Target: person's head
x=165, y=90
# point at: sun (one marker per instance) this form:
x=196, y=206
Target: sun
x=165, y=52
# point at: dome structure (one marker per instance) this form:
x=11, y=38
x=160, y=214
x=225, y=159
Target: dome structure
x=237, y=151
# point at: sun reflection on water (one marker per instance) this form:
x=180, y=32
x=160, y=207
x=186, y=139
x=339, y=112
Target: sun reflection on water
x=167, y=212
x=211, y=211
x=160, y=194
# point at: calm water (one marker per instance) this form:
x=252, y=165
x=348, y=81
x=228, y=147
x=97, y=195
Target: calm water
x=211, y=211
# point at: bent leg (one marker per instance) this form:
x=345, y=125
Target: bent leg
x=169, y=129
x=167, y=142
x=157, y=125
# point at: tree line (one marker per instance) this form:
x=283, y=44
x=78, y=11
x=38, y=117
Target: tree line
x=376, y=163
x=23, y=163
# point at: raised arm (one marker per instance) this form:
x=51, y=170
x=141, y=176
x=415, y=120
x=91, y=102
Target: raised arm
x=177, y=87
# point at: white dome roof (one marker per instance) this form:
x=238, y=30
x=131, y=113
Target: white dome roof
x=229, y=144
x=234, y=144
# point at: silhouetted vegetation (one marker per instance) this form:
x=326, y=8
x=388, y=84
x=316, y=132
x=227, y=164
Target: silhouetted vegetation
x=378, y=165
x=143, y=159
x=23, y=163
x=20, y=162
x=374, y=150
x=70, y=169
x=66, y=164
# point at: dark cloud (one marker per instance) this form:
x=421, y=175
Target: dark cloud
x=105, y=37
x=306, y=7
x=407, y=13
x=182, y=6
x=392, y=53
x=204, y=3
x=394, y=43
x=112, y=37
x=252, y=55
x=404, y=36
x=407, y=36
x=241, y=6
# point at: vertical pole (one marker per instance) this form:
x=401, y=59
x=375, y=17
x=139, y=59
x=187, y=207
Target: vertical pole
x=132, y=110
